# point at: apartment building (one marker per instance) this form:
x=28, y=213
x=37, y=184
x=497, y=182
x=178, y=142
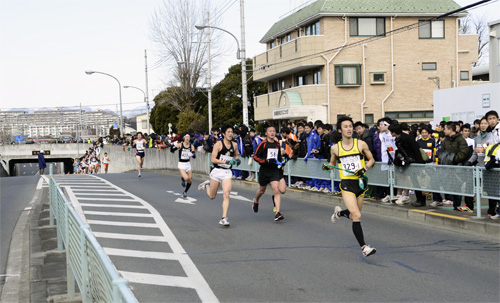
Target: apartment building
x=366, y=59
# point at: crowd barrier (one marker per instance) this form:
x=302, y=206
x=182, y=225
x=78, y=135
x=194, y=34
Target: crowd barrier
x=86, y=262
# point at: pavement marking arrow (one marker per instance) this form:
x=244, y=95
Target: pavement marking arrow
x=234, y=195
x=186, y=200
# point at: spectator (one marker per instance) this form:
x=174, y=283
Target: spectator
x=427, y=144
x=481, y=141
x=384, y=146
x=313, y=142
x=492, y=118
x=364, y=134
x=454, y=151
x=41, y=162
x=407, y=152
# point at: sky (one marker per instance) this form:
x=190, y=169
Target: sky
x=46, y=47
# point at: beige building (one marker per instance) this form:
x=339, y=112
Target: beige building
x=366, y=59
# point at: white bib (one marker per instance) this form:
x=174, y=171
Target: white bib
x=352, y=163
x=272, y=153
x=185, y=154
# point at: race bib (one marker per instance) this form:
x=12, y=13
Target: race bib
x=225, y=159
x=272, y=153
x=428, y=152
x=186, y=153
x=352, y=163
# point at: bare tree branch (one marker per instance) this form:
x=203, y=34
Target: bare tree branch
x=477, y=25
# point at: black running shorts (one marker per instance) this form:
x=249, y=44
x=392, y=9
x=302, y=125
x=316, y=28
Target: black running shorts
x=351, y=186
x=266, y=176
x=140, y=154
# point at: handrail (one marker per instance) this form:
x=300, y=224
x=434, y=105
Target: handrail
x=87, y=263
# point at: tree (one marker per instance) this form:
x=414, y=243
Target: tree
x=172, y=28
x=227, y=105
x=477, y=25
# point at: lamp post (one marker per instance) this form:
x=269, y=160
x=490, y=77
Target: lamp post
x=243, y=70
x=90, y=72
x=145, y=100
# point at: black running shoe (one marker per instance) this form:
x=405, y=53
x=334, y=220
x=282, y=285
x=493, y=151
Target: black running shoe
x=255, y=206
x=279, y=217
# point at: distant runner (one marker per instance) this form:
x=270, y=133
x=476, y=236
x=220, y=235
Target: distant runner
x=186, y=151
x=140, y=144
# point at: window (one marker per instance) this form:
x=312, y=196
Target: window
x=301, y=80
x=282, y=84
x=317, y=76
x=431, y=29
x=429, y=66
x=367, y=27
x=378, y=78
x=286, y=38
x=274, y=86
x=464, y=75
x=271, y=44
x=312, y=29
x=423, y=115
x=348, y=75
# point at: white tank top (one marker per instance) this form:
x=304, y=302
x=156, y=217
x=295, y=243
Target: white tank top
x=139, y=145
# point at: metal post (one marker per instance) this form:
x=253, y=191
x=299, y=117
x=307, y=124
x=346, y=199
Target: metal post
x=51, y=196
x=59, y=219
x=147, y=93
x=85, y=268
x=478, y=189
x=209, y=76
x=243, y=65
x=391, y=181
x=116, y=288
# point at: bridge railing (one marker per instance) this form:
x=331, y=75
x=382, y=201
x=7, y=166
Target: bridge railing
x=86, y=262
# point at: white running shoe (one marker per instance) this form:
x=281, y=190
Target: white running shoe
x=224, y=222
x=336, y=214
x=203, y=185
x=406, y=199
x=495, y=217
x=436, y=204
x=447, y=202
x=402, y=200
x=368, y=251
x=387, y=199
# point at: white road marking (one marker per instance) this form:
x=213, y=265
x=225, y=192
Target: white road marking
x=107, y=213
x=94, y=190
x=186, y=200
x=115, y=223
x=234, y=195
x=140, y=254
x=163, y=280
x=112, y=205
x=98, y=194
x=106, y=199
x=130, y=237
x=39, y=184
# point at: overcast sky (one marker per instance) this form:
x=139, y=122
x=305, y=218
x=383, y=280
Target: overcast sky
x=45, y=47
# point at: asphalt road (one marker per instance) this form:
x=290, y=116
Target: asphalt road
x=15, y=195
x=304, y=258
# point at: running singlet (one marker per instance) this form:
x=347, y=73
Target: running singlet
x=105, y=160
x=267, y=151
x=184, y=153
x=351, y=160
x=139, y=146
x=225, y=154
x=93, y=160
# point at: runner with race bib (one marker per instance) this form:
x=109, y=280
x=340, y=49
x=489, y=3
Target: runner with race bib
x=186, y=151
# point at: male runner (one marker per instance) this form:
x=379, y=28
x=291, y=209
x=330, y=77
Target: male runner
x=105, y=162
x=186, y=150
x=268, y=154
x=350, y=154
x=224, y=156
x=139, y=143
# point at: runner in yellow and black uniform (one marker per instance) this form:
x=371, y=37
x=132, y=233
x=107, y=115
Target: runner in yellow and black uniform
x=350, y=154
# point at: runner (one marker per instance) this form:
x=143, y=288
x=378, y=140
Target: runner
x=224, y=156
x=186, y=150
x=268, y=154
x=93, y=163
x=350, y=154
x=105, y=162
x=139, y=143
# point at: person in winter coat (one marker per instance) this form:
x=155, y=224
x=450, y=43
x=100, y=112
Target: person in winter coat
x=41, y=162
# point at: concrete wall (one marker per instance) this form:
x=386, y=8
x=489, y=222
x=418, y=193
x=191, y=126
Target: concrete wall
x=466, y=103
x=122, y=161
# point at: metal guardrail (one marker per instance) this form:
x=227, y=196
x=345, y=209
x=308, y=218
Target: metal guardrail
x=465, y=181
x=86, y=262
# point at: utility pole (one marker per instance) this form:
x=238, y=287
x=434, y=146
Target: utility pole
x=243, y=65
x=147, y=91
x=209, y=76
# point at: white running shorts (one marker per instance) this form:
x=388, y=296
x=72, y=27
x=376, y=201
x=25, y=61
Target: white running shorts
x=220, y=174
x=184, y=165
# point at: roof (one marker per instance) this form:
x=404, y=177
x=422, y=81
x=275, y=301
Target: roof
x=359, y=7
x=492, y=23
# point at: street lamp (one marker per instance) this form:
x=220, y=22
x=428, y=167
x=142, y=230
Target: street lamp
x=145, y=100
x=239, y=55
x=90, y=72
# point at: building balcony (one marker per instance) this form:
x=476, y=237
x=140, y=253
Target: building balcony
x=306, y=101
x=295, y=56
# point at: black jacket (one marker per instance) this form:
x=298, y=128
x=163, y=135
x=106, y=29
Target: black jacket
x=408, y=151
x=457, y=145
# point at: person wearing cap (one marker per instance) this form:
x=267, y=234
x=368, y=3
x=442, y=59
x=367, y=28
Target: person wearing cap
x=41, y=162
x=186, y=151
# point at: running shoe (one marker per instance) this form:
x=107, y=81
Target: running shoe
x=495, y=217
x=387, y=199
x=368, y=251
x=203, y=185
x=465, y=209
x=184, y=195
x=336, y=214
x=224, y=222
x=402, y=200
x=436, y=204
x=183, y=182
x=447, y=202
x=139, y=175
x=255, y=206
x=274, y=204
x=279, y=217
